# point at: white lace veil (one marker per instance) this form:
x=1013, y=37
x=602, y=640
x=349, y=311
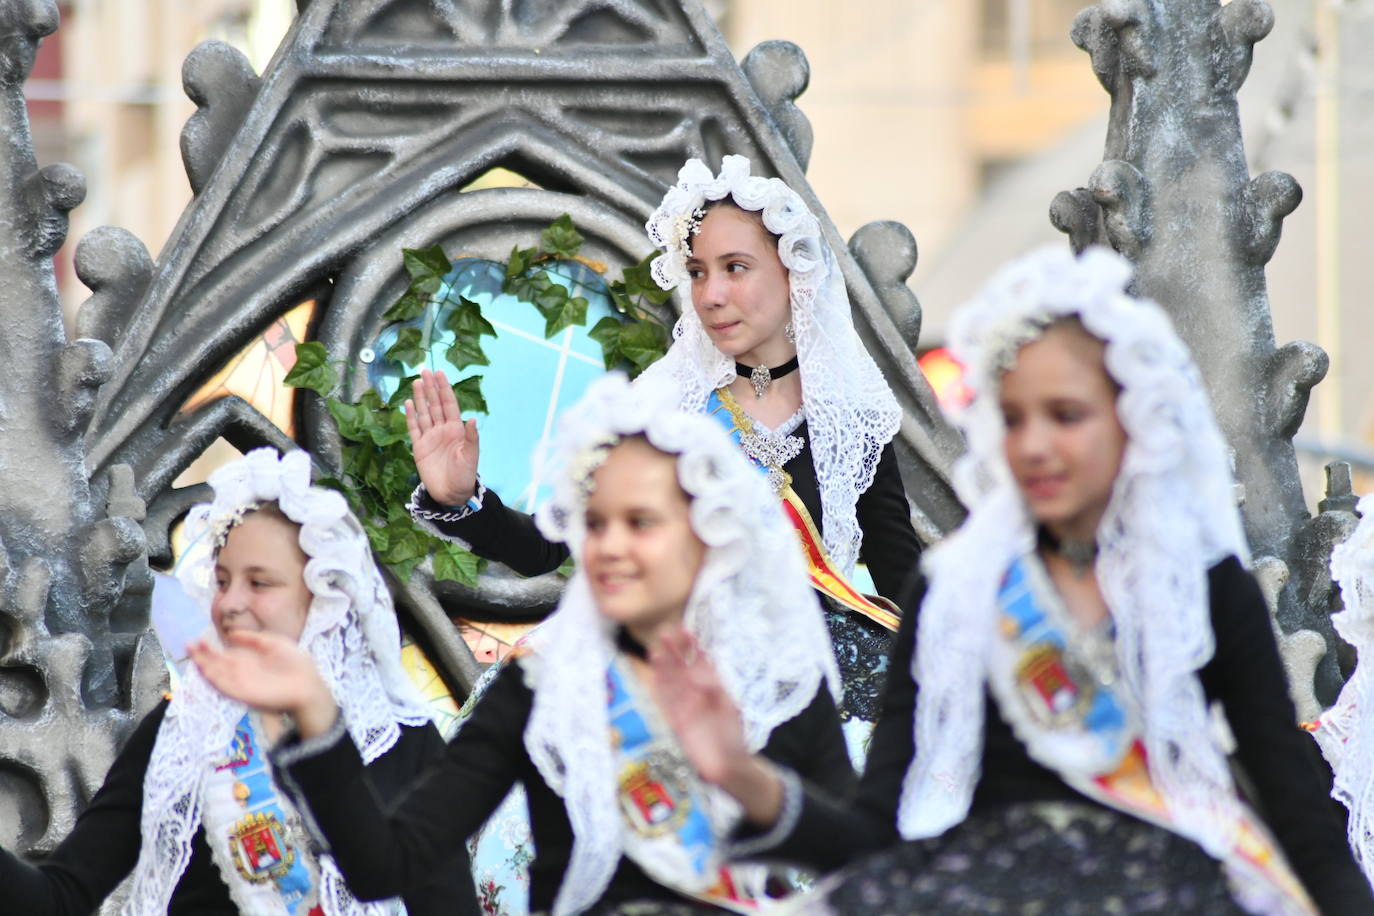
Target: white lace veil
x=851, y=413
x=751, y=609
x=351, y=632
x=1346, y=730
x=1171, y=516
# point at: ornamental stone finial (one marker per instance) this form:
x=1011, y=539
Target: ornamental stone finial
x=1174, y=195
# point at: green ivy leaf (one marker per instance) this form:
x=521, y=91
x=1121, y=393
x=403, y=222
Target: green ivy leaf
x=399, y=479
x=468, y=391
x=466, y=318
x=454, y=563
x=352, y=419
x=466, y=351
x=410, y=305
x=561, y=238
x=521, y=259
x=607, y=333
x=312, y=369
x=639, y=281
x=468, y=326
x=620, y=300
x=379, y=538
x=570, y=310
x=427, y=268
x=403, y=391
x=387, y=428
x=643, y=343
x=407, y=347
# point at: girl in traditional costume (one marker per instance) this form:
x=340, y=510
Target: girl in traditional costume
x=1045, y=743
x=671, y=529
x=1345, y=732
x=190, y=808
x=768, y=351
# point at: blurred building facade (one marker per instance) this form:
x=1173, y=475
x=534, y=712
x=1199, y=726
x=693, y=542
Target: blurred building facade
x=961, y=118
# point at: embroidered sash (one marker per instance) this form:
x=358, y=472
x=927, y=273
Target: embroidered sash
x=1067, y=706
x=663, y=803
x=826, y=577
x=255, y=835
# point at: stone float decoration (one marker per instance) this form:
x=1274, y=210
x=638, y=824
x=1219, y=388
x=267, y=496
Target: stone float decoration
x=1175, y=196
x=76, y=665
x=308, y=178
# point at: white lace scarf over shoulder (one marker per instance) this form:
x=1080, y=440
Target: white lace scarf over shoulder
x=1345, y=732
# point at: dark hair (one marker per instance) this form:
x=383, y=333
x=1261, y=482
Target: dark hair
x=271, y=509
x=755, y=215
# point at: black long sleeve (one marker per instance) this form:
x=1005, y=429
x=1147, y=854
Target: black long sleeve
x=498, y=532
x=890, y=547
x=104, y=844
x=383, y=850
x=1284, y=765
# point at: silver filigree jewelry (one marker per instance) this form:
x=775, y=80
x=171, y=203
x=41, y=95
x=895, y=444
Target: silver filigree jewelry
x=772, y=451
x=1080, y=554
x=761, y=376
x=789, y=332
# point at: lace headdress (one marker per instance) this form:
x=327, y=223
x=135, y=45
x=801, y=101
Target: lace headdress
x=350, y=632
x=1346, y=730
x=1171, y=517
x=851, y=413
x=751, y=609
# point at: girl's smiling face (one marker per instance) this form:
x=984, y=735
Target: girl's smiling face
x=641, y=554
x=1064, y=442
x=260, y=578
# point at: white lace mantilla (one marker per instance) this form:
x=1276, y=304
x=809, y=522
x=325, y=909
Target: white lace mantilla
x=350, y=632
x=752, y=609
x=1346, y=730
x=851, y=412
x=1171, y=517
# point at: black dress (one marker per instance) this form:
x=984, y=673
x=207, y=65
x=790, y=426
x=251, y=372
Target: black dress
x=890, y=549
x=1245, y=675
x=385, y=850
x=104, y=844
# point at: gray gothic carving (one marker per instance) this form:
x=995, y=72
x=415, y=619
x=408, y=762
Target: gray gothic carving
x=307, y=178
x=1174, y=195
x=76, y=666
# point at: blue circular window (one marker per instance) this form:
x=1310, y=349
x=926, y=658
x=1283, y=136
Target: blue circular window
x=530, y=379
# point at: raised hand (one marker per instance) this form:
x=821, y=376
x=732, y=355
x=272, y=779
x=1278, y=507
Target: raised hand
x=270, y=673
x=698, y=709
x=709, y=730
x=445, y=447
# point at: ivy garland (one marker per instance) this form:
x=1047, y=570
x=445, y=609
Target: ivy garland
x=378, y=469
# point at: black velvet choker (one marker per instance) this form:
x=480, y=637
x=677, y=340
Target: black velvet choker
x=761, y=376
x=629, y=645
x=1080, y=554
